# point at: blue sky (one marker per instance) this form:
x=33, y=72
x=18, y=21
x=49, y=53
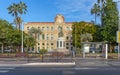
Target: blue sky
x=46, y=10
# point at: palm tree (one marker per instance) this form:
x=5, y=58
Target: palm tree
x=95, y=10
x=34, y=32
x=29, y=41
x=22, y=8
x=18, y=21
x=15, y=10
x=102, y=4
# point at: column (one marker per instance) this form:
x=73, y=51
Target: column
x=58, y=44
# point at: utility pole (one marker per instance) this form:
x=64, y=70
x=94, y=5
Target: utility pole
x=118, y=35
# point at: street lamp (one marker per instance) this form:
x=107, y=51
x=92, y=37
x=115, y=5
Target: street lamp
x=22, y=39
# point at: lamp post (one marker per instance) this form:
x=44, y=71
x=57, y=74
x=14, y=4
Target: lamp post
x=22, y=40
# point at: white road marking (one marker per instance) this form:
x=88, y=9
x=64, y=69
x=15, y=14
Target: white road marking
x=84, y=68
x=4, y=71
x=7, y=68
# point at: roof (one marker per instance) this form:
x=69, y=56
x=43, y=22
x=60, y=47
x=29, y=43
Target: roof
x=28, y=23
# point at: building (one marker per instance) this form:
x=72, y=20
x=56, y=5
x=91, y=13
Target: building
x=55, y=35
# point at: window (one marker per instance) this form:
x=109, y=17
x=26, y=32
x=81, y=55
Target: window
x=67, y=28
x=47, y=28
x=27, y=28
x=51, y=43
x=43, y=36
x=67, y=43
x=51, y=36
x=38, y=36
x=67, y=37
x=60, y=43
x=71, y=37
x=38, y=27
x=43, y=44
x=42, y=28
x=64, y=44
x=52, y=28
x=71, y=44
x=67, y=47
x=38, y=43
x=59, y=28
x=71, y=48
x=47, y=37
x=57, y=44
x=38, y=48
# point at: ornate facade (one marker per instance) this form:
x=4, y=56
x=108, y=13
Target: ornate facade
x=54, y=35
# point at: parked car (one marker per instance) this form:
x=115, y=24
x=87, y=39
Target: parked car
x=7, y=50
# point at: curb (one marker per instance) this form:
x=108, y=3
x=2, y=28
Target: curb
x=50, y=64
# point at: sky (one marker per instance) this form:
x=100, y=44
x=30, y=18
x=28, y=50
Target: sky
x=46, y=10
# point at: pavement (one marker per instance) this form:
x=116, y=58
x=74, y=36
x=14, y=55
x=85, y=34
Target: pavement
x=78, y=62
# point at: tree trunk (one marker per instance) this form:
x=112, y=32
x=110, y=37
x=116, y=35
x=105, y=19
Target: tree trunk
x=35, y=44
x=2, y=48
x=95, y=18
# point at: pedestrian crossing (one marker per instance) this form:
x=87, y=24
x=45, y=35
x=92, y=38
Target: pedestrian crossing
x=5, y=69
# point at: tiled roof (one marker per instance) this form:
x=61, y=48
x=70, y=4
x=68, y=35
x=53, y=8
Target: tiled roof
x=40, y=22
x=28, y=23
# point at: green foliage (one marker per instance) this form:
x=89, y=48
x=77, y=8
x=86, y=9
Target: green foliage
x=34, y=32
x=9, y=36
x=80, y=29
x=29, y=40
x=43, y=51
x=97, y=37
x=17, y=10
x=95, y=10
x=110, y=21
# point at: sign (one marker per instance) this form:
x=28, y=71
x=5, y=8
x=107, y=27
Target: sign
x=118, y=36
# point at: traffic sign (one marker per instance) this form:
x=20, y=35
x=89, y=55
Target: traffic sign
x=118, y=36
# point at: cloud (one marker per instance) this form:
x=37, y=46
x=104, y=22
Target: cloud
x=76, y=9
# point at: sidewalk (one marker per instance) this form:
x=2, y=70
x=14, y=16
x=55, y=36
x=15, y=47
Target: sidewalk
x=79, y=62
x=24, y=62
x=88, y=62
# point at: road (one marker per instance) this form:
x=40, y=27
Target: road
x=59, y=70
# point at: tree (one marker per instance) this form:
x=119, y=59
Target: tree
x=16, y=10
x=97, y=36
x=86, y=37
x=80, y=29
x=101, y=5
x=29, y=41
x=18, y=21
x=95, y=10
x=42, y=52
x=3, y=30
x=111, y=21
x=8, y=34
x=34, y=32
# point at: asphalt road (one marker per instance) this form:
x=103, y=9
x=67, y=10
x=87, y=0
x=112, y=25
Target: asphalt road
x=59, y=70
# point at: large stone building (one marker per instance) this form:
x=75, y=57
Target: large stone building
x=55, y=35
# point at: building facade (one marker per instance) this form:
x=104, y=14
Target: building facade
x=57, y=34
